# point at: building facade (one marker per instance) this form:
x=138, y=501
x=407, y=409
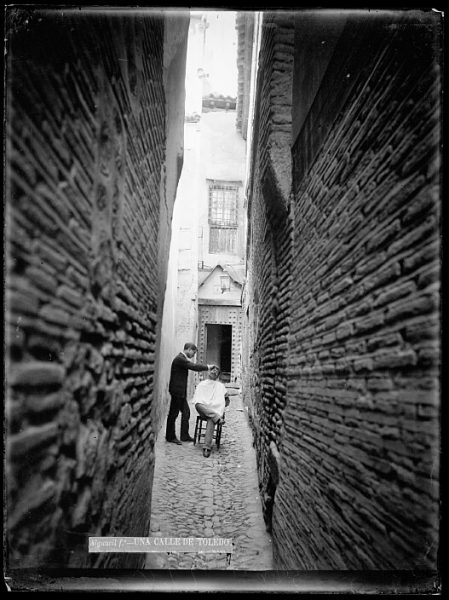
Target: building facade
x=209, y=223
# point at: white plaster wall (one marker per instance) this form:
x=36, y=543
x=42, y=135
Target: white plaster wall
x=224, y=153
x=212, y=149
x=180, y=318
x=175, y=49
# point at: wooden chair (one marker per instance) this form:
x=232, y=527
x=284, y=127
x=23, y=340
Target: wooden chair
x=200, y=430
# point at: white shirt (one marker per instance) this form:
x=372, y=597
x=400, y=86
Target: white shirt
x=212, y=394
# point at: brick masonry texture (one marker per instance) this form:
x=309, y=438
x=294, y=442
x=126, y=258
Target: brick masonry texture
x=85, y=149
x=346, y=410
x=269, y=256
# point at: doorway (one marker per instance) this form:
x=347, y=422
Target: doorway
x=219, y=348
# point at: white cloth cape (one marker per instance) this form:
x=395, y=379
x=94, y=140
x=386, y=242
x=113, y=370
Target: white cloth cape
x=212, y=394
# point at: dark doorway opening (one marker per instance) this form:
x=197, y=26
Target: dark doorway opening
x=219, y=348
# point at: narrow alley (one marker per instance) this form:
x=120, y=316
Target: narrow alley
x=256, y=190
x=217, y=496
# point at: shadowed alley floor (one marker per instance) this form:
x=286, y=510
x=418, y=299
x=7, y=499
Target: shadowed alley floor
x=216, y=497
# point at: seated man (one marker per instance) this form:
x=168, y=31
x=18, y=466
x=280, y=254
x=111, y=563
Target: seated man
x=210, y=400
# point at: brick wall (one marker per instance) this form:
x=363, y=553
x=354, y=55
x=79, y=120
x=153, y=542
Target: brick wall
x=86, y=138
x=267, y=304
x=356, y=457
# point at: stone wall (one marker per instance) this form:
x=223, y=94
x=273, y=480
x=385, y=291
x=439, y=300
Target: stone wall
x=356, y=458
x=86, y=148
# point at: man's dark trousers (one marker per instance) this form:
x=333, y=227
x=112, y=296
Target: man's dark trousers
x=177, y=404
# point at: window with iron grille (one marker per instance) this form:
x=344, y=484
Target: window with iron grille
x=223, y=198
x=223, y=204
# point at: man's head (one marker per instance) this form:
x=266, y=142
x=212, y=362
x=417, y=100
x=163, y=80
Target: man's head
x=190, y=349
x=214, y=372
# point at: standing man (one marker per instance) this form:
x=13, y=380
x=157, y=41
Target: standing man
x=178, y=390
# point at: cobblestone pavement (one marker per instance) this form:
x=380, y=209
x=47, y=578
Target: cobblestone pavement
x=217, y=496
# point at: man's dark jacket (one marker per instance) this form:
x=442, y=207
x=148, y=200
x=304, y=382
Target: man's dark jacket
x=179, y=372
